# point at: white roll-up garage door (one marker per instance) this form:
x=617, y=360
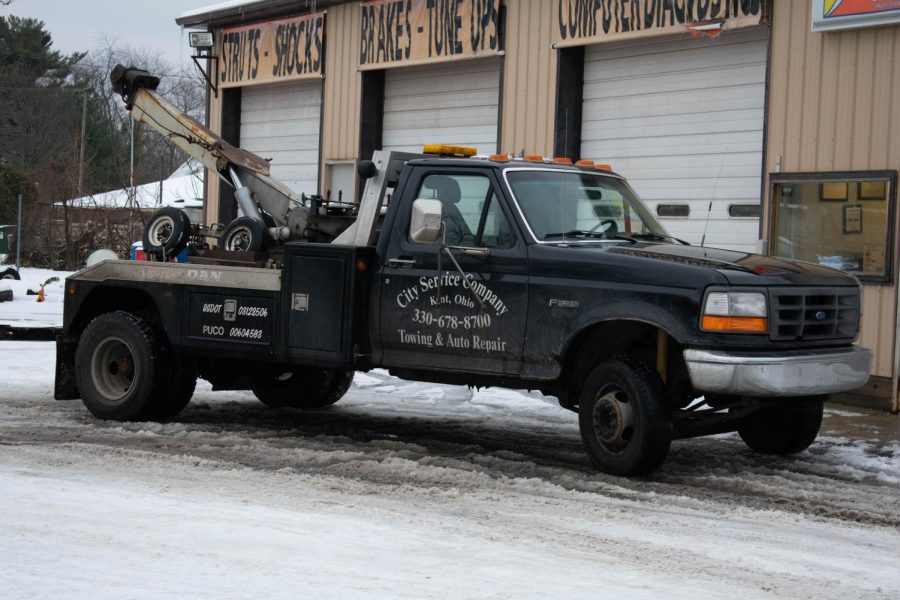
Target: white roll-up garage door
x=281, y=122
x=683, y=121
x=448, y=103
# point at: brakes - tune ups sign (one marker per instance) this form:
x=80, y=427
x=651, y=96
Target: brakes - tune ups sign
x=397, y=33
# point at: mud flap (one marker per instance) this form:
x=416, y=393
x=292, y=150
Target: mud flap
x=65, y=386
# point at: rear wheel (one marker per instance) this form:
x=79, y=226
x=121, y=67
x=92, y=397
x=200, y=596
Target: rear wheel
x=786, y=430
x=126, y=371
x=624, y=417
x=301, y=387
x=119, y=369
x=9, y=273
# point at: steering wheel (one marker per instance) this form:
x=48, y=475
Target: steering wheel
x=611, y=226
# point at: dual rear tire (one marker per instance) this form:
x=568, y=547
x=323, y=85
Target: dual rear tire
x=127, y=371
x=300, y=387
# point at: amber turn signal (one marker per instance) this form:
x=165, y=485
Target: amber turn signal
x=735, y=324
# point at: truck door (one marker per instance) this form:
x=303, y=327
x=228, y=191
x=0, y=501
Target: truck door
x=434, y=317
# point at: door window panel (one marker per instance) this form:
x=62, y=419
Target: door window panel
x=471, y=212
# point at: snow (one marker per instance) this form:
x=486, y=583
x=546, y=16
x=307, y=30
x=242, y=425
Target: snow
x=24, y=311
x=183, y=187
x=418, y=490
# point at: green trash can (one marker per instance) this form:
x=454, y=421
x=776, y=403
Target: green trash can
x=7, y=239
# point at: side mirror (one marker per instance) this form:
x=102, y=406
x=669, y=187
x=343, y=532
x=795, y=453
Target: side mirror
x=425, y=225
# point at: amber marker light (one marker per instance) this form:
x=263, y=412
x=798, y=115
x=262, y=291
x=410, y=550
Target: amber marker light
x=585, y=163
x=534, y=158
x=562, y=160
x=603, y=167
x=735, y=324
x=361, y=266
x=499, y=157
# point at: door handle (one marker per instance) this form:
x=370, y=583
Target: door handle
x=475, y=251
x=401, y=262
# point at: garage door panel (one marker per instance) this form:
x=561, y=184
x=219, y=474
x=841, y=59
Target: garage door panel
x=666, y=46
x=680, y=62
x=730, y=117
x=675, y=103
x=280, y=129
x=705, y=145
x=606, y=130
x=281, y=123
x=675, y=82
x=447, y=118
x=455, y=103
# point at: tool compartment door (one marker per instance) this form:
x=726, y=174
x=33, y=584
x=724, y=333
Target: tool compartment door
x=323, y=294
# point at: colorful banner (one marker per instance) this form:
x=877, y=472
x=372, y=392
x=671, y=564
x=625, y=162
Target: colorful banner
x=580, y=22
x=829, y=15
x=273, y=51
x=396, y=33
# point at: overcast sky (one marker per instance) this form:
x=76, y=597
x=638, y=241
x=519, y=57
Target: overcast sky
x=78, y=25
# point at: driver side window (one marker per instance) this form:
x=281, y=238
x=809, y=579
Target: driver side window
x=471, y=213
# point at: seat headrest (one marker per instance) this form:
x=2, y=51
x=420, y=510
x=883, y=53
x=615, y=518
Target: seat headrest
x=446, y=188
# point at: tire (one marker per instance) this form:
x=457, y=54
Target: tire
x=167, y=232
x=244, y=235
x=301, y=387
x=177, y=395
x=9, y=273
x=624, y=417
x=119, y=368
x=786, y=430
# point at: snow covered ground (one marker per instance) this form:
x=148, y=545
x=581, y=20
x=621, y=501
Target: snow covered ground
x=24, y=310
x=417, y=490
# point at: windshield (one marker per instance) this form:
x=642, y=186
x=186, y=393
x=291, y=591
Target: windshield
x=568, y=204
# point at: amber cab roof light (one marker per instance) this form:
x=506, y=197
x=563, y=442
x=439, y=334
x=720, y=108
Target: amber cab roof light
x=448, y=150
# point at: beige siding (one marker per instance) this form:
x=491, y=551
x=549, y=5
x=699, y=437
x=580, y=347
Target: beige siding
x=529, y=86
x=211, y=203
x=833, y=107
x=340, y=109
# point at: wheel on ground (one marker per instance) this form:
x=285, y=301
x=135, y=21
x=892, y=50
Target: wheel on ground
x=785, y=430
x=119, y=368
x=9, y=273
x=625, y=417
x=166, y=232
x=300, y=387
x=244, y=235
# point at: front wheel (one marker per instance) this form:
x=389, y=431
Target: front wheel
x=9, y=273
x=787, y=430
x=301, y=387
x=624, y=417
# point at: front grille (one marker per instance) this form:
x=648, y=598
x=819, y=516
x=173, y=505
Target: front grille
x=814, y=313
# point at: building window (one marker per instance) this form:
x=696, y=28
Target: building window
x=839, y=220
x=673, y=210
x=744, y=211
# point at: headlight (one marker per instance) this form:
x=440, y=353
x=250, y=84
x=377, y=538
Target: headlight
x=736, y=312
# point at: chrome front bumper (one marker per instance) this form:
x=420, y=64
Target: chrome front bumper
x=793, y=373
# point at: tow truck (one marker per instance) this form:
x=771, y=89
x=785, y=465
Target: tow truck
x=524, y=273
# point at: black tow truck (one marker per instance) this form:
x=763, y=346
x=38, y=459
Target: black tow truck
x=483, y=271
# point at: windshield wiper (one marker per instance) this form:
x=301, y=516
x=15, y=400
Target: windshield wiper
x=656, y=236
x=576, y=233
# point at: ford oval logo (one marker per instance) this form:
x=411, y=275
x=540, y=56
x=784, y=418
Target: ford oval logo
x=821, y=315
